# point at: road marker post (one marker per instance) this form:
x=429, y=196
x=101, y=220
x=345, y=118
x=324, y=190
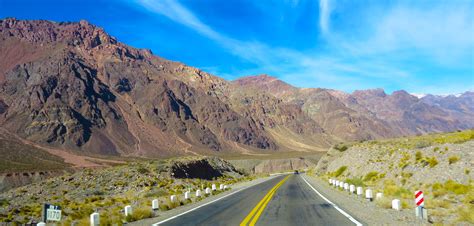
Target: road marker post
x=359, y=191
x=173, y=198
x=214, y=187
x=221, y=187
x=155, y=204
x=187, y=195
x=369, y=195
x=352, y=188
x=346, y=186
x=128, y=210
x=95, y=219
x=41, y=224
x=330, y=181
x=198, y=193
x=396, y=205
x=208, y=191
x=420, y=210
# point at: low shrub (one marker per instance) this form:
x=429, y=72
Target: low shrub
x=358, y=182
x=139, y=213
x=418, y=156
x=432, y=162
x=453, y=159
x=341, y=147
x=339, y=171
x=371, y=176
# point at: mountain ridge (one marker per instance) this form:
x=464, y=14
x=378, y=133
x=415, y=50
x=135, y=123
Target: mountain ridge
x=74, y=87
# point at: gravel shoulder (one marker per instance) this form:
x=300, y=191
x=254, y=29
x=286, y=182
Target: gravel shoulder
x=162, y=215
x=368, y=212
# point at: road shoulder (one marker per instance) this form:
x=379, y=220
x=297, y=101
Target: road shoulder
x=360, y=208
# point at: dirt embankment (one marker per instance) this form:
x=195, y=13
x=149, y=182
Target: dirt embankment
x=13, y=180
x=273, y=165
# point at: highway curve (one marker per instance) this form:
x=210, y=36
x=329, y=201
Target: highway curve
x=283, y=200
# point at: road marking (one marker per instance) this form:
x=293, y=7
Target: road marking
x=257, y=210
x=334, y=205
x=205, y=204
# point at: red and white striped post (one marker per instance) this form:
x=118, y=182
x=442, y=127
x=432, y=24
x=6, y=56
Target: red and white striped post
x=419, y=200
x=420, y=203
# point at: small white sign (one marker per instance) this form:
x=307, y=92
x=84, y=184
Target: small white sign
x=53, y=213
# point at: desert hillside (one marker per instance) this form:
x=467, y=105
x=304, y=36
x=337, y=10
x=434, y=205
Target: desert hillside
x=438, y=164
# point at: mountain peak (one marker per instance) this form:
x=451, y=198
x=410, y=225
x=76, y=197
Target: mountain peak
x=265, y=82
x=378, y=92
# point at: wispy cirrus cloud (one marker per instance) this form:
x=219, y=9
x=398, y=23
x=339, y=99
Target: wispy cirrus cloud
x=324, y=15
x=382, y=51
x=304, y=67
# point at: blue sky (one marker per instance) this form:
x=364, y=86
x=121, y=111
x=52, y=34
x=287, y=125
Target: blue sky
x=420, y=46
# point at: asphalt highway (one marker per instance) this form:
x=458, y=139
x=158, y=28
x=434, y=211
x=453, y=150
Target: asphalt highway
x=283, y=200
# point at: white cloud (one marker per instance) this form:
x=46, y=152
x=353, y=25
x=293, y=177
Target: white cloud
x=324, y=15
x=358, y=61
x=442, y=33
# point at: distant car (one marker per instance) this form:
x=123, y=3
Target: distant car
x=296, y=172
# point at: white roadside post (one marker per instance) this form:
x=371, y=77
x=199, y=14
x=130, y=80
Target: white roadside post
x=379, y=195
x=225, y=187
x=346, y=186
x=198, y=193
x=369, y=195
x=155, y=204
x=187, y=195
x=128, y=210
x=359, y=191
x=396, y=205
x=352, y=188
x=221, y=187
x=41, y=224
x=341, y=185
x=214, y=187
x=208, y=191
x=95, y=219
x=173, y=198
x=330, y=181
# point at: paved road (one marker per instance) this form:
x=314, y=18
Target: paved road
x=283, y=200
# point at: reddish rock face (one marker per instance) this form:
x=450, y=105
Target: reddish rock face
x=73, y=86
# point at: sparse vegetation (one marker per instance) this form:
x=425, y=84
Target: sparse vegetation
x=453, y=159
x=355, y=181
x=107, y=191
x=339, y=171
x=341, y=147
x=371, y=176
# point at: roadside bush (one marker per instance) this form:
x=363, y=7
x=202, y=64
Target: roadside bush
x=339, y=171
x=139, y=213
x=456, y=188
x=371, y=176
x=384, y=202
x=358, y=182
x=466, y=214
x=418, y=156
x=453, y=159
x=341, y=147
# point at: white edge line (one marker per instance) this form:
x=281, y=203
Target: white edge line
x=205, y=204
x=334, y=205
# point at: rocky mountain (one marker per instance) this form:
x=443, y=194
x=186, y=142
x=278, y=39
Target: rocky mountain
x=71, y=86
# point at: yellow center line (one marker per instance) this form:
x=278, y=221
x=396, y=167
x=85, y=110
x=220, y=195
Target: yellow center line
x=257, y=210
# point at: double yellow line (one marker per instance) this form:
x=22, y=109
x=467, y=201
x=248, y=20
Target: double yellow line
x=257, y=211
